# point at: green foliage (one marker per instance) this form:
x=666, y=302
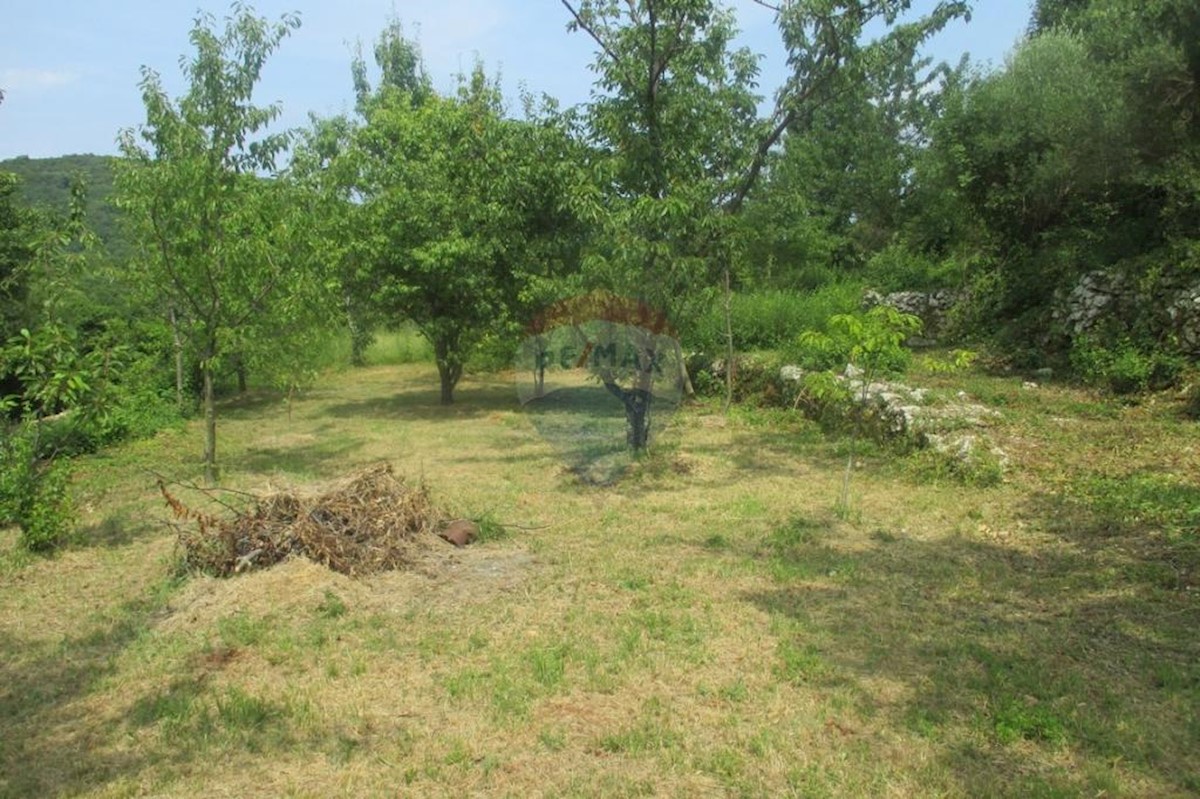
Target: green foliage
x=824, y=398
x=1124, y=367
x=490, y=527
x=46, y=183
x=898, y=267
x=872, y=341
x=462, y=209
x=34, y=492
x=220, y=248
x=772, y=319
x=1080, y=154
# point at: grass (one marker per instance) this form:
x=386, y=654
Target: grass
x=402, y=346
x=703, y=625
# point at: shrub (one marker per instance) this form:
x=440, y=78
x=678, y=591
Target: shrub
x=1124, y=367
x=873, y=340
x=34, y=493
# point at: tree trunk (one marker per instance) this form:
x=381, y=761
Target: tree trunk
x=729, y=354
x=210, y=423
x=240, y=368
x=637, y=402
x=637, y=418
x=449, y=368
x=178, y=345
x=360, y=337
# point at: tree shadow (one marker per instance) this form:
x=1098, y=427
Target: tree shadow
x=249, y=405
x=322, y=458
x=425, y=404
x=47, y=735
x=1007, y=658
x=123, y=526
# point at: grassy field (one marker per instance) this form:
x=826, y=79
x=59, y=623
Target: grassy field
x=707, y=626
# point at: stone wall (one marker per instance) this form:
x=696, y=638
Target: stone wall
x=1104, y=296
x=931, y=308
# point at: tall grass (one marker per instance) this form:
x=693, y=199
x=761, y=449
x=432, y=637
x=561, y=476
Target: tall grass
x=403, y=345
x=770, y=320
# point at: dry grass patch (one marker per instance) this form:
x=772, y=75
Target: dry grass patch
x=704, y=627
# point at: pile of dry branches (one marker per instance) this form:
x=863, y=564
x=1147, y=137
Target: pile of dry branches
x=372, y=522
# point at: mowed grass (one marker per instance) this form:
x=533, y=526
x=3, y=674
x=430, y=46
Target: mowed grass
x=705, y=626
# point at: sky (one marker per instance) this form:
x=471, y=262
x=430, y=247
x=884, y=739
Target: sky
x=70, y=68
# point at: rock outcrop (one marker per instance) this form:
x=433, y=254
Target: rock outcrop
x=897, y=412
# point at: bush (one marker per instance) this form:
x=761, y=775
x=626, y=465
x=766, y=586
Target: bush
x=1124, y=368
x=755, y=378
x=34, y=493
x=897, y=268
x=873, y=340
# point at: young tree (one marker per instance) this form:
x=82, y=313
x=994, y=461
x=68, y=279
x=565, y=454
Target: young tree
x=190, y=181
x=674, y=120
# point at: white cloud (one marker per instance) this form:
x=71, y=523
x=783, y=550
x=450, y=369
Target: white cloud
x=22, y=79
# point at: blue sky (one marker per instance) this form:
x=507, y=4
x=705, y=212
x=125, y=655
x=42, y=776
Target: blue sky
x=70, y=68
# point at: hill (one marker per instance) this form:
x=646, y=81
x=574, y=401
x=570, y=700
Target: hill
x=46, y=182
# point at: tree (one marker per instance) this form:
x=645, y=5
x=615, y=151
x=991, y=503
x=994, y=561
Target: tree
x=319, y=170
x=681, y=147
x=17, y=233
x=61, y=385
x=457, y=204
x=210, y=227
x=1079, y=155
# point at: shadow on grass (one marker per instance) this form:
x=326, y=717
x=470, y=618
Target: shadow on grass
x=1034, y=673
x=250, y=405
x=47, y=735
x=322, y=458
x=424, y=402
x=121, y=527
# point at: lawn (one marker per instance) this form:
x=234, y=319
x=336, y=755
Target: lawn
x=706, y=625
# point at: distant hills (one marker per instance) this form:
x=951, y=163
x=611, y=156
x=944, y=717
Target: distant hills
x=46, y=182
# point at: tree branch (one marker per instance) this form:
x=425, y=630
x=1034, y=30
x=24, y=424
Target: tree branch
x=590, y=31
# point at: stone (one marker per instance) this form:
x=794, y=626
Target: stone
x=460, y=532
x=791, y=374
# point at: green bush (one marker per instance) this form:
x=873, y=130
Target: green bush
x=1124, y=367
x=873, y=340
x=898, y=268
x=34, y=493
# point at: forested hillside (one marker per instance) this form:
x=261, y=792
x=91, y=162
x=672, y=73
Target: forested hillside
x=46, y=182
